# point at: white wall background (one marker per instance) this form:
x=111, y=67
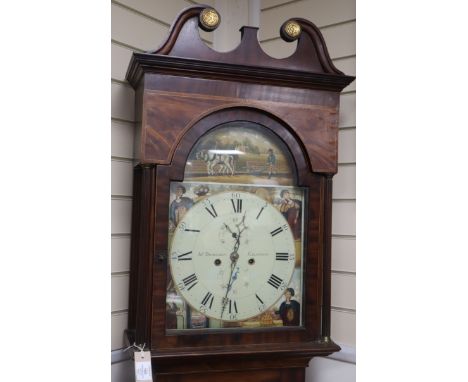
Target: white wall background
x=140, y=25
x=137, y=25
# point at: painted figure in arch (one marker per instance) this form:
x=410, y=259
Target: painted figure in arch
x=271, y=162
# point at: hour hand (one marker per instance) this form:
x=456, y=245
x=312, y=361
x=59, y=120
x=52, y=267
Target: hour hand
x=234, y=235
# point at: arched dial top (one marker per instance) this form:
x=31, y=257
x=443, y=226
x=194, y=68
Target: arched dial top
x=232, y=256
x=240, y=152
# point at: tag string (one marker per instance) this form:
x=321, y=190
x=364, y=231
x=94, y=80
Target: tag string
x=135, y=346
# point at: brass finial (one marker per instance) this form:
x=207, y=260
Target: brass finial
x=291, y=30
x=209, y=19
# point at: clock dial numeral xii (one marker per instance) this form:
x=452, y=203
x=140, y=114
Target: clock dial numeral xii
x=237, y=205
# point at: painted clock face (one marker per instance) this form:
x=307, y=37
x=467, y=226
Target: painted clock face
x=232, y=256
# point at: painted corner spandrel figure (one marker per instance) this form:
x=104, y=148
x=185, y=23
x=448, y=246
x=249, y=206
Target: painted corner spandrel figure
x=179, y=207
x=291, y=210
x=290, y=310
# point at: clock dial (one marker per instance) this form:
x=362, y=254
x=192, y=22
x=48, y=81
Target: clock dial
x=232, y=256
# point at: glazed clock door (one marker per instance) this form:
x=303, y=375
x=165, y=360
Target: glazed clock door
x=236, y=235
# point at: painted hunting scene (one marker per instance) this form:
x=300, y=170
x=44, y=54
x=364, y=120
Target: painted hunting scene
x=240, y=152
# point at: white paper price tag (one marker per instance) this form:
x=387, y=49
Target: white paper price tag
x=143, y=366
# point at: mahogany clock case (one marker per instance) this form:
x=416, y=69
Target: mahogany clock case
x=183, y=91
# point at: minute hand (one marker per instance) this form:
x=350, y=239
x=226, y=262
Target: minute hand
x=228, y=288
x=234, y=257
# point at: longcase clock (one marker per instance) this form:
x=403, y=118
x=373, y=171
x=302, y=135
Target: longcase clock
x=231, y=232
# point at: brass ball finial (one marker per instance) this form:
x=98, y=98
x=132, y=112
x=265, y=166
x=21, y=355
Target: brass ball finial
x=291, y=30
x=209, y=19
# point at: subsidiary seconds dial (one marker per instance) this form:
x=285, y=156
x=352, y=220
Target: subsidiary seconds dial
x=232, y=256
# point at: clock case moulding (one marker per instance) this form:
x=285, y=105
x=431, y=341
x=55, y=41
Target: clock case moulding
x=182, y=90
